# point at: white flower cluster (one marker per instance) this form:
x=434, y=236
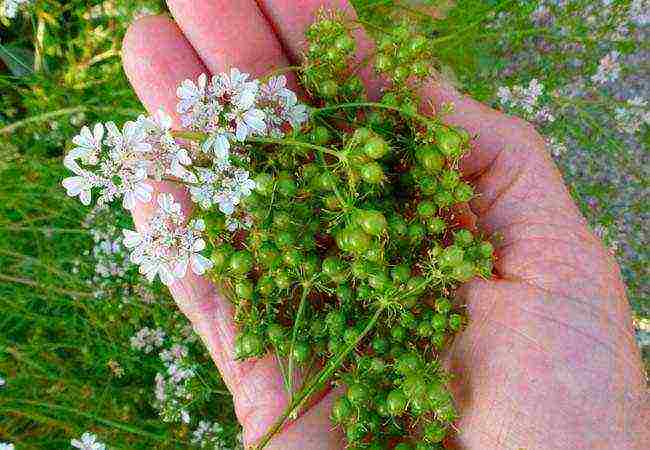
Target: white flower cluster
x=526, y=100
x=167, y=246
x=2, y=382
x=88, y=441
x=210, y=435
x=609, y=69
x=171, y=389
x=6, y=446
x=147, y=340
x=633, y=116
x=225, y=111
x=9, y=8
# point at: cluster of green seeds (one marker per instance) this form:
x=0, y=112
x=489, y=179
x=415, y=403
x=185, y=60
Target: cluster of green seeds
x=349, y=269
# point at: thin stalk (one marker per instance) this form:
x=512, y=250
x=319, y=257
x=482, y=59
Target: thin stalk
x=280, y=71
x=296, y=324
x=329, y=151
x=417, y=116
x=320, y=379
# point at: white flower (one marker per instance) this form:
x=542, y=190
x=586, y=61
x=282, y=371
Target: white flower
x=6, y=446
x=504, y=94
x=79, y=186
x=190, y=94
x=10, y=8
x=88, y=441
x=147, y=339
x=88, y=146
x=633, y=116
x=166, y=246
x=2, y=382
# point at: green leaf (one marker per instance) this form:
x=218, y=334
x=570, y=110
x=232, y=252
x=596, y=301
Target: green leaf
x=20, y=61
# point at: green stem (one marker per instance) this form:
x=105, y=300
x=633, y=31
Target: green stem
x=417, y=116
x=280, y=71
x=319, y=380
x=329, y=151
x=294, y=335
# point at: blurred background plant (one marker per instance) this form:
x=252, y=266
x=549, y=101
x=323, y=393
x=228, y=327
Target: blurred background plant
x=87, y=345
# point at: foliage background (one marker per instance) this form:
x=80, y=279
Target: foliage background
x=65, y=330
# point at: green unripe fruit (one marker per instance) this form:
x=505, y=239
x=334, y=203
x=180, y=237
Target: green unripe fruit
x=335, y=322
x=437, y=395
x=344, y=292
x=328, y=89
x=281, y=219
x=310, y=170
x=241, y=262
x=350, y=336
x=310, y=265
x=408, y=363
x=430, y=158
x=358, y=393
x=362, y=135
x=425, y=446
x=285, y=239
x=268, y=255
x=463, y=192
x=414, y=386
x=436, y=225
x=327, y=181
x=444, y=198
x=283, y=279
x=301, y=352
x=354, y=85
x=464, y=271
x=455, y=322
x=446, y=413
x=452, y=256
x=377, y=365
x=332, y=202
x=398, y=225
x=427, y=208
x=265, y=285
x=428, y=185
x=486, y=249
x=360, y=269
x=320, y=135
x=373, y=222
x=437, y=340
x=264, y=184
x=396, y=402
x=372, y=173
x=434, y=432
x=357, y=241
x=332, y=267
x=379, y=282
x=416, y=285
x=439, y=322
x=443, y=306
x=398, y=333
x=341, y=410
x=249, y=345
x=355, y=432
x=364, y=292
x=416, y=232
x=287, y=187
x=376, y=147
x=275, y=333
x=244, y=289
x=344, y=43
x=220, y=256
x=293, y=258
x=449, y=179
x=425, y=329
x=380, y=345
x=449, y=142
x=401, y=273
x=463, y=238
x=419, y=406
x=407, y=319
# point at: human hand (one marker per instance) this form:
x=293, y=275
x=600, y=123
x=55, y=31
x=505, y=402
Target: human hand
x=548, y=360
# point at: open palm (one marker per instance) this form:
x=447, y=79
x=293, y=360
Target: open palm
x=548, y=360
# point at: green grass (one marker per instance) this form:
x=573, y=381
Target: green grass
x=58, y=342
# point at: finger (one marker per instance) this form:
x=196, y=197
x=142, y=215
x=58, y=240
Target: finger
x=229, y=34
x=157, y=57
